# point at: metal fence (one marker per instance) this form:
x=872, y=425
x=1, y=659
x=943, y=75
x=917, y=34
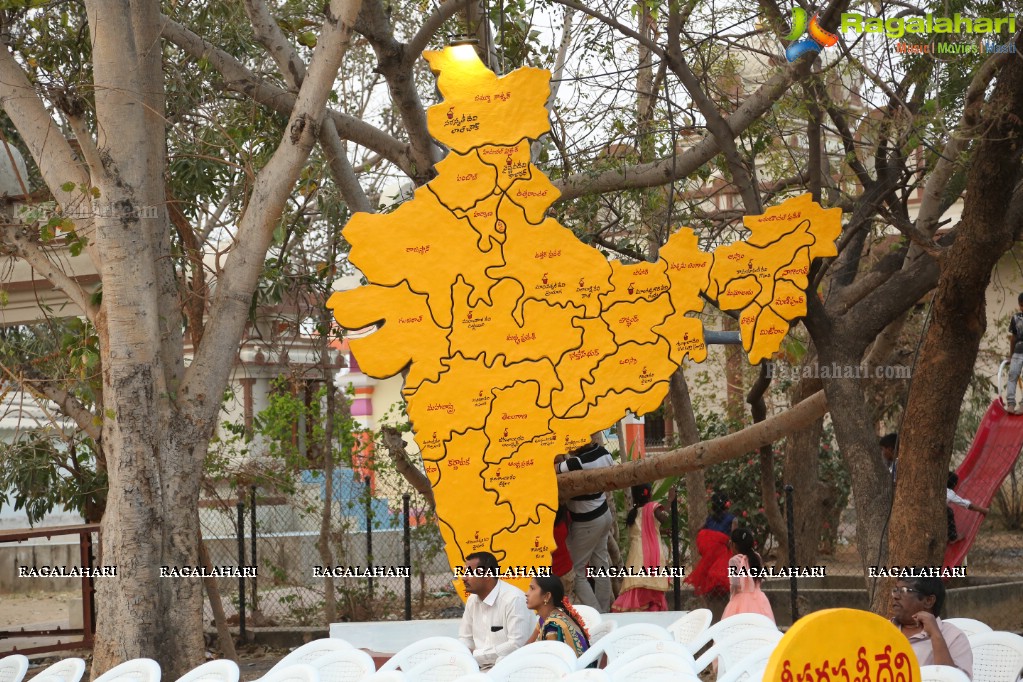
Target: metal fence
x=371, y=540
x=279, y=535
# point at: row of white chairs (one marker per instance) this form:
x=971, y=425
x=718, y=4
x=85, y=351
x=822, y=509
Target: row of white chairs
x=740, y=645
x=13, y=669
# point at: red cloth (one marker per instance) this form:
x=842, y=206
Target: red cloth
x=710, y=575
x=561, y=560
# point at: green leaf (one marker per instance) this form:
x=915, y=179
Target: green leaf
x=308, y=38
x=68, y=186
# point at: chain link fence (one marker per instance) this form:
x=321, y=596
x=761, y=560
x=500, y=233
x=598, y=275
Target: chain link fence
x=383, y=551
x=280, y=536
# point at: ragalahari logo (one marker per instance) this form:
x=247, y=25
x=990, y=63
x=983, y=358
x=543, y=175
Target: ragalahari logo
x=816, y=41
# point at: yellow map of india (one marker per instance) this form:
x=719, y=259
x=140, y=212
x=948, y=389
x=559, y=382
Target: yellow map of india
x=520, y=341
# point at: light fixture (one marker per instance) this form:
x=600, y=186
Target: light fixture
x=463, y=47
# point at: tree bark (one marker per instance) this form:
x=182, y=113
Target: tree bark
x=801, y=469
x=219, y=617
x=768, y=499
x=990, y=218
x=688, y=434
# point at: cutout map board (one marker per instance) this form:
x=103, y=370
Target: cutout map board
x=521, y=340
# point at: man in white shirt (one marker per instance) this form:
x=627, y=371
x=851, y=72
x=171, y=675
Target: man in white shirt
x=496, y=621
x=916, y=603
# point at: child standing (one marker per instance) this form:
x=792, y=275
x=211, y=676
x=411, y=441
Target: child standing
x=746, y=595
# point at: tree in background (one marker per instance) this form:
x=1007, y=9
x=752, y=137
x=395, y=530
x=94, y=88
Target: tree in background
x=195, y=127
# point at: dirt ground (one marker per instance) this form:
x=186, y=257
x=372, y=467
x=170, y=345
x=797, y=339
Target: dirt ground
x=35, y=609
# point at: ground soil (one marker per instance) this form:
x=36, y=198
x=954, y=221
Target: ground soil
x=35, y=609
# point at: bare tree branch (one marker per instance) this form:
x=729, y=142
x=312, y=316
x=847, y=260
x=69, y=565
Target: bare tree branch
x=273, y=185
x=237, y=78
x=403, y=465
x=699, y=456
x=33, y=254
x=291, y=66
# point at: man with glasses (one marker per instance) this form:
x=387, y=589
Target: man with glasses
x=916, y=603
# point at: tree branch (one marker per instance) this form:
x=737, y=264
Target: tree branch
x=69, y=405
x=931, y=204
x=678, y=167
x=404, y=466
x=419, y=42
x=238, y=78
x=52, y=154
x=33, y=254
x=271, y=189
x=697, y=456
x=395, y=64
x=271, y=37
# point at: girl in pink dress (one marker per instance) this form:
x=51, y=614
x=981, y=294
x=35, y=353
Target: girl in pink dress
x=747, y=597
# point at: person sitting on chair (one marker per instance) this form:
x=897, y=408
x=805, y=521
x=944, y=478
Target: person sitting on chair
x=916, y=603
x=496, y=620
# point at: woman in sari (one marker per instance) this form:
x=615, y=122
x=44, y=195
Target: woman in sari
x=646, y=551
x=558, y=620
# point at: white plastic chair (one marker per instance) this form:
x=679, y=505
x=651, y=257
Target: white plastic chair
x=740, y=622
x=621, y=640
x=544, y=647
x=655, y=668
x=668, y=648
x=690, y=626
x=942, y=673
x=299, y=672
x=135, y=670
x=997, y=656
x=601, y=630
x=969, y=626
x=733, y=649
x=222, y=670
x=591, y=616
x=344, y=666
x=587, y=675
x=750, y=668
x=445, y=667
x=423, y=650
x=13, y=668
x=311, y=651
x=386, y=676
x=536, y=662
x=67, y=670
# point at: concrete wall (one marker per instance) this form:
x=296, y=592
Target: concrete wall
x=14, y=555
x=995, y=601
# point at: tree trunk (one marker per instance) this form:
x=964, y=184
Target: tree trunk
x=991, y=215
x=688, y=434
x=323, y=542
x=154, y=456
x=801, y=469
x=775, y=521
x=734, y=361
x=219, y=617
x=870, y=481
